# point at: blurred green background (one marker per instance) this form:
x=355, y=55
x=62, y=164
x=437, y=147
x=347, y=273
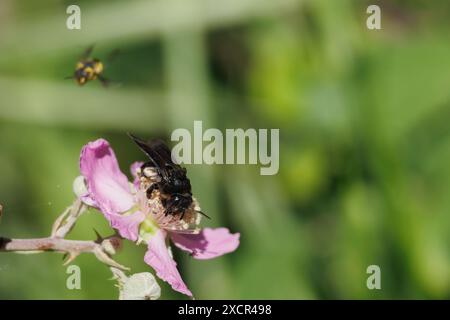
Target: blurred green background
x=364, y=139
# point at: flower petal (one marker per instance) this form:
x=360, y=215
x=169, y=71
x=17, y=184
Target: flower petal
x=127, y=225
x=135, y=166
x=158, y=257
x=106, y=184
x=207, y=244
x=108, y=187
x=87, y=200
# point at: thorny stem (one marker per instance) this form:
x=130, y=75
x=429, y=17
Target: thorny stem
x=63, y=225
x=46, y=244
x=102, y=248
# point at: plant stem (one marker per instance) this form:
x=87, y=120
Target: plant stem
x=47, y=244
x=66, y=221
x=100, y=248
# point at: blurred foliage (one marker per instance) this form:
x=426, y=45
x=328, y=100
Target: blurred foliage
x=364, y=150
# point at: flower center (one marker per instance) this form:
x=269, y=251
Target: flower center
x=156, y=214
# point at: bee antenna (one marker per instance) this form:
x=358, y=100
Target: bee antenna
x=141, y=143
x=88, y=51
x=133, y=137
x=203, y=214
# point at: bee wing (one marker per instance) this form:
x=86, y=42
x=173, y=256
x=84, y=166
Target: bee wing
x=87, y=53
x=146, y=149
x=113, y=55
x=163, y=151
x=164, y=155
x=158, y=153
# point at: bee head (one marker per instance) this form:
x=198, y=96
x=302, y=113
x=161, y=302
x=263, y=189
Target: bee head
x=98, y=66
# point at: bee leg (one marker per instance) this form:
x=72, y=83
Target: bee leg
x=105, y=82
x=168, y=209
x=175, y=204
x=170, y=205
x=150, y=190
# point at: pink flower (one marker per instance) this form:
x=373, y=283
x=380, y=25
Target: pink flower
x=138, y=218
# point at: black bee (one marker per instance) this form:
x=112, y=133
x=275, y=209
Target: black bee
x=89, y=68
x=171, y=179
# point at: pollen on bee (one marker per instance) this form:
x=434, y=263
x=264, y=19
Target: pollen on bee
x=149, y=172
x=187, y=221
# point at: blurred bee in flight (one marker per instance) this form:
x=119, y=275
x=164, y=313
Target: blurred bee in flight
x=89, y=68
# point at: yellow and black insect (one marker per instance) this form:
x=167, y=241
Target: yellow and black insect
x=88, y=69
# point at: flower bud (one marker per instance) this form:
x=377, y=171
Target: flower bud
x=111, y=245
x=139, y=286
x=79, y=186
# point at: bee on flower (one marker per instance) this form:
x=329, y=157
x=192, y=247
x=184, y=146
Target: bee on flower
x=152, y=217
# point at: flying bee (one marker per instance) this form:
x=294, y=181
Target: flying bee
x=88, y=69
x=169, y=178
